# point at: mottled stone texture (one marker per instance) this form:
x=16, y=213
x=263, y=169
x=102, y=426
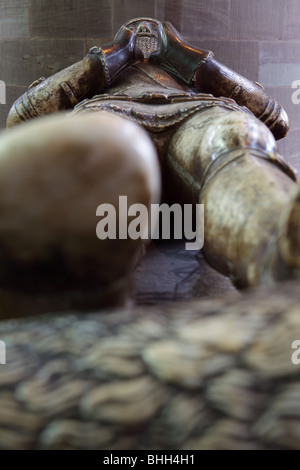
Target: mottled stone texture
x=259, y=39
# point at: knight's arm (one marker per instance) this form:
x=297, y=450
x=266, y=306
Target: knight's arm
x=213, y=77
x=200, y=70
x=84, y=79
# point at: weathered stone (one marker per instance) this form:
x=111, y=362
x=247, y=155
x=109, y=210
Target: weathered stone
x=180, y=386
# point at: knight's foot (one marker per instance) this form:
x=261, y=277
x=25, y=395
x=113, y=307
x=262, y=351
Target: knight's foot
x=285, y=248
x=58, y=179
x=289, y=241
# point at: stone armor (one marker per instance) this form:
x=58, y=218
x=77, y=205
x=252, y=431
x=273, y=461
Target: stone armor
x=214, y=131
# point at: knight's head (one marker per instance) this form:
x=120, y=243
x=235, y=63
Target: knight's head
x=146, y=30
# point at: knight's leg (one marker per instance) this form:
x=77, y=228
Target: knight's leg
x=227, y=161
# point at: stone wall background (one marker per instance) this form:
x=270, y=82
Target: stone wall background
x=259, y=39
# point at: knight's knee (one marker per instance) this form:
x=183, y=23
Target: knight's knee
x=235, y=130
x=57, y=176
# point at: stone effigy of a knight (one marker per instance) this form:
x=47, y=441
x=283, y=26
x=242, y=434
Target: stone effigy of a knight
x=215, y=133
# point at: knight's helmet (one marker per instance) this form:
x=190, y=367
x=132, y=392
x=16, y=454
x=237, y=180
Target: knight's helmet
x=146, y=30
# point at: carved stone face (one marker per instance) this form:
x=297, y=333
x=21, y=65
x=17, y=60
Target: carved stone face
x=146, y=30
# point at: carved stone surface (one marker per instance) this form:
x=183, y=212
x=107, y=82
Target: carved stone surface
x=215, y=374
